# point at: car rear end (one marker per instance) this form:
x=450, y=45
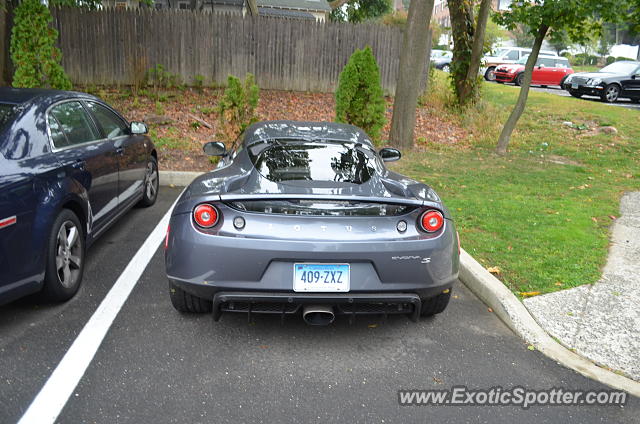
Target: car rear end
x=281, y=255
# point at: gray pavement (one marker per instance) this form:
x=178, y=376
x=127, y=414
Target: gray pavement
x=158, y=366
x=602, y=321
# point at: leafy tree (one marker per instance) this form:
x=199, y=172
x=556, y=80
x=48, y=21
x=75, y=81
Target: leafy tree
x=493, y=35
x=35, y=57
x=236, y=109
x=560, y=42
x=553, y=17
x=358, y=10
x=413, y=60
x=468, y=45
x=359, y=97
x=522, y=35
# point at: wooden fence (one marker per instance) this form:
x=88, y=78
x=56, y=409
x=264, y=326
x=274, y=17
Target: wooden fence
x=116, y=46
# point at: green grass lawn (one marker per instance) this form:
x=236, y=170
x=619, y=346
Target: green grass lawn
x=586, y=68
x=541, y=214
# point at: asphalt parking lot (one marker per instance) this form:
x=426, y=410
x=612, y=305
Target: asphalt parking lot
x=157, y=366
x=626, y=103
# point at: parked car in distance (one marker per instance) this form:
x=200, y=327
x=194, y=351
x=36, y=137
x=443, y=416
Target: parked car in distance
x=305, y=217
x=70, y=166
x=619, y=79
x=548, y=70
x=441, y=59
x=506, y=55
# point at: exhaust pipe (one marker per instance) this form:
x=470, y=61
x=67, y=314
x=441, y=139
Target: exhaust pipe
x=318, y=314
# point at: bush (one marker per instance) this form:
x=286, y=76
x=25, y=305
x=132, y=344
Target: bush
x=359, y=97
x=33, y=51
x=584, y=59
x=610, y=60
x=236, y=109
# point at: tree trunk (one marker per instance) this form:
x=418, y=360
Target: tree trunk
x=4, y=43
x=413, y=60
x=461, y=13
x=471, y=81
x=509, y=126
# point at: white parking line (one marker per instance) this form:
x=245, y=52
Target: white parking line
x=49, y=402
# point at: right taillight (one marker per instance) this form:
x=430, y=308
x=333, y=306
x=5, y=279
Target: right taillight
x=205, y=215
x=431, y=221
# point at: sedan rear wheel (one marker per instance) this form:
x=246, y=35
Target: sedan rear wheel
x=435, y=305
x=186, y=302
x=446, y=68
x=151, y=182
x=65, y=258
x=611, y=93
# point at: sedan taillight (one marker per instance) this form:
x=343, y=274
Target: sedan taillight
x=431, y=221
x=205, y=215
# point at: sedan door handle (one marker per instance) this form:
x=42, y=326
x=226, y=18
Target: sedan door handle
x=79, y=164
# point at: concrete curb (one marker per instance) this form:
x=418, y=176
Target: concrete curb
x=177, y=178
x=516, y=316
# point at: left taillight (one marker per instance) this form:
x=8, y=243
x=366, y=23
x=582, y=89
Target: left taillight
x=431, y=221
x=206, y=215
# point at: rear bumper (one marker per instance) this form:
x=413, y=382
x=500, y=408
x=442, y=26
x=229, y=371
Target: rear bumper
x=290, y=303
x=205, y=265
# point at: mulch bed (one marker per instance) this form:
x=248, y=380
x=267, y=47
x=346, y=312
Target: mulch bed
x=180, y=140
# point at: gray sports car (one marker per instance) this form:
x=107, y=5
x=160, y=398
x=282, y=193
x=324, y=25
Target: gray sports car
x=305, y=216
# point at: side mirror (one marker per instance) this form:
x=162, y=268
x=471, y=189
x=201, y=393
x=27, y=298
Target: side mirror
x=138, y=128
x=214, y=148
x=389, y=154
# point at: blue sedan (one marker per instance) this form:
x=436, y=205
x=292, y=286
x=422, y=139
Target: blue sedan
x=70, y=166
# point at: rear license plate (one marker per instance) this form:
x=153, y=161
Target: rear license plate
x=574, y=86
x=321, y=277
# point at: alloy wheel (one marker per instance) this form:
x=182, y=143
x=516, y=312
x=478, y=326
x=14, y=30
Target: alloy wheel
x=68, y=254
x=612, y=93
x=151, y=181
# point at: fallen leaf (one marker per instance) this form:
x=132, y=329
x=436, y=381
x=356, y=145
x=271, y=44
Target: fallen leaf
x=494, y=270
x=594, y=219
x=372, y=325
x=437, y=380
x=529, y=294
x=612, y=217
x=558, y=283
x=531, y=347
x=489, y=309
x=264, y=347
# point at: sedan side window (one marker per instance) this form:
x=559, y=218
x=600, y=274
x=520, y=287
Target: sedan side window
x=111, y=123
x=72, y=120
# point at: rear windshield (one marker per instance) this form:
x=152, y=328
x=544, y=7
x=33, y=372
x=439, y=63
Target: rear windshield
x=6, y=113
x=314, y=161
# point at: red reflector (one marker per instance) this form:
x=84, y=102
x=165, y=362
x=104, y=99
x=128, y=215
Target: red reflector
x=432, y=221
x=8, y=221
x=166, y=237
x=205, y=215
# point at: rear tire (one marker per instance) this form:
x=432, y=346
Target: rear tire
x=519, y=80
x=446, y=68
x=65, y=258
x=186, y=302
x=151, y=184
x=575, y=94
x=435, y=305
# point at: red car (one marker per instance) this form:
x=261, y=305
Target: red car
x=549, y=70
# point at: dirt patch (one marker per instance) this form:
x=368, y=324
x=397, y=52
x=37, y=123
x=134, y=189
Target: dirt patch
x=186, y=115
x=562, y=160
